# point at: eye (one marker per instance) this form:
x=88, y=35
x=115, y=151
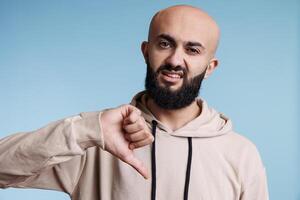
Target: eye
x=193, y=51
x=164, y=44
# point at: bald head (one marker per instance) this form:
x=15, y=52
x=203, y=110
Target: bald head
x=186, y=21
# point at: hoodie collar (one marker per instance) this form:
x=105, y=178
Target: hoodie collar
x=209, y=123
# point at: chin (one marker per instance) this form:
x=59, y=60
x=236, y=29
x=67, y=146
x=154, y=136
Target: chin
x=174, y=88
x=169, y=86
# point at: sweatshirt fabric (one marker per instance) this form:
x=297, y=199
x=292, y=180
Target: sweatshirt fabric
x=203, y=160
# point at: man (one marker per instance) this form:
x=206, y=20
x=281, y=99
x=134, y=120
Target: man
x=191, y=149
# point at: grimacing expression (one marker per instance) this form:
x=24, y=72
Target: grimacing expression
x=169, y=99
x=179, y=53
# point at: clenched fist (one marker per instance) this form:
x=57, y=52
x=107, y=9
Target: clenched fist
x=124, y=129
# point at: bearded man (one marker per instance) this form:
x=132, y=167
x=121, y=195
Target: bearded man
x=191, y=149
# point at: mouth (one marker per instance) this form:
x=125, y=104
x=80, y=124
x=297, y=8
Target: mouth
x=172, y=76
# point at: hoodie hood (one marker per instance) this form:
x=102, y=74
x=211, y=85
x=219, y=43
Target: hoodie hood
x=209, y=123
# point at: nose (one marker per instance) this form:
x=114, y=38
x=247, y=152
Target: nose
x=176, y=58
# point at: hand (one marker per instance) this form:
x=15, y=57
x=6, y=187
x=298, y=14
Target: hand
x=125, y=129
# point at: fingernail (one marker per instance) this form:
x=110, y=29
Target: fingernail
x=146, y=176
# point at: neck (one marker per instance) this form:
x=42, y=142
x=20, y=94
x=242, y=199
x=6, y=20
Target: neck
x=174, y=119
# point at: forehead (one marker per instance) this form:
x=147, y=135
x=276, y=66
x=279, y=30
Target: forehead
x=182, y=26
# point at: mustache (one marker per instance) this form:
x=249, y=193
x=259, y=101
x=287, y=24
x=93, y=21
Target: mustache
x=168, y=67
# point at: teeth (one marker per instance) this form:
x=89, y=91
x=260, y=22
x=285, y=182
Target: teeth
x=173, y=75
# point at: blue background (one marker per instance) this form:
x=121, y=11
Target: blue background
x=58, y=58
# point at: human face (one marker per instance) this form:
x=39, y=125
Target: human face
x=178, y=39
x=181, y=60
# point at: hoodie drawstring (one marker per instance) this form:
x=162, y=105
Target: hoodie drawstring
x=153, y=165
x=188, y=170
x=153, y=162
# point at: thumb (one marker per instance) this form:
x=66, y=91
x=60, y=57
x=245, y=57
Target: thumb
x=137, y=165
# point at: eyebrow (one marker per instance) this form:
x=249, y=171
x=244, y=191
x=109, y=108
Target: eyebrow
x=172, y=40
x=167, y=37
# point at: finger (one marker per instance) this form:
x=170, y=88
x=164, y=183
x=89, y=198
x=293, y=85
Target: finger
x=133, y=108
x=138, y=136
x=127, y=109
x=137, y=165
x=141, y=143
x=138, y=125
x=132, y=117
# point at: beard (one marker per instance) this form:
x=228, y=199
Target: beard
x=164, y=97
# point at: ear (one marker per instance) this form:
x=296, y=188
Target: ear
x=213, y=63
x=144, y=48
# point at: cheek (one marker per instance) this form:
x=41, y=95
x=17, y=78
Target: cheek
x=196, y=67
x=156, y=59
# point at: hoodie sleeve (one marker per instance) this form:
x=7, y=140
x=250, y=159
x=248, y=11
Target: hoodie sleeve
x=257, y=189
x=254, y=178
x=51, y=157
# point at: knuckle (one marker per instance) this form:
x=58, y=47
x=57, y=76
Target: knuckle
x=131, y=118
x=144, y=134
x=149, y=140
x=148, y=135
x=140, y=123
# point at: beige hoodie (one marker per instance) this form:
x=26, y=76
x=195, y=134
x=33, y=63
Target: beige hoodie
x=66, y=156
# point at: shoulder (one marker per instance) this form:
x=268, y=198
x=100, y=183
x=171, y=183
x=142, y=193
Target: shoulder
x=244, y=155
x=240, y=142
x=240, y=146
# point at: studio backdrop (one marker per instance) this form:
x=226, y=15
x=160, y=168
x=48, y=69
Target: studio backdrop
x=60, y=58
